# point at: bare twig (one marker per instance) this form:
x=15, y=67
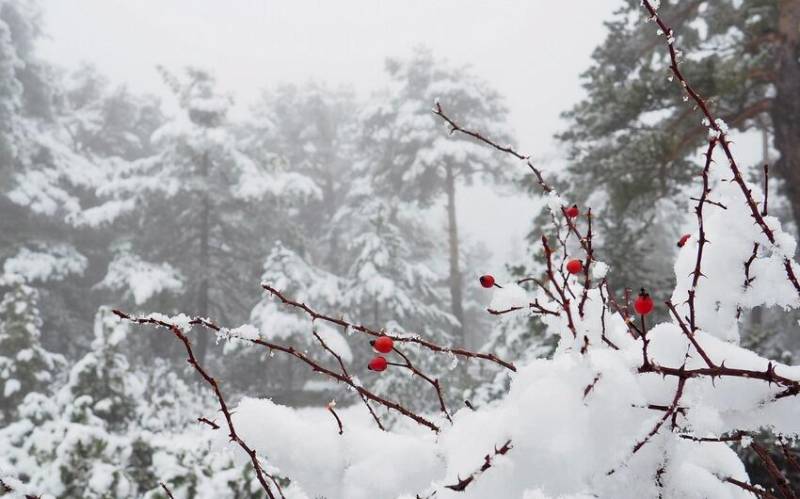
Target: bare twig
x=454, y=127
x=401, y=339
x=330, y=407
x=319, y=368
x=350, y=378
x=166, y=490
x=223, y=405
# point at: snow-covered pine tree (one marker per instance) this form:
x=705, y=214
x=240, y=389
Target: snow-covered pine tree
x=25, y=366
x=411, y=159
x=391, y=285
x=288, y=272
x=204, y=195
x=632, y=149
x=308, y=132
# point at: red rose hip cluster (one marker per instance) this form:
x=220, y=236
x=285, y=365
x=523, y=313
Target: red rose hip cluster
x=383, y=344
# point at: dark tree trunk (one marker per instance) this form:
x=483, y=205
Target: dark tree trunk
x=455, y=268
x=203, y=288
x=785, y=113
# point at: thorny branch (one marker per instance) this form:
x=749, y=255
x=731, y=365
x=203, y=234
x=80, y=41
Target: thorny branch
x=719, y=128
x=701, y=240
x=401, y=339
x=780, y=479
x=433, y=382
x=319, y=368
x=350, y=378
x=178, y=333
x=488, y=460
x=454, y=127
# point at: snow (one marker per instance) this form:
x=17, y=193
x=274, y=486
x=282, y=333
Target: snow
x=590, y=409
x=509, y=296
x=143, y=280
x=55, y=263
x=10, y=387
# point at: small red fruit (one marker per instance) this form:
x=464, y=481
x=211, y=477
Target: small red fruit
x=377, y=364
x=487, y=281
x=383, y=344
x=683, y=240
x=574, y=266
x=643, y=304
x=572, y=211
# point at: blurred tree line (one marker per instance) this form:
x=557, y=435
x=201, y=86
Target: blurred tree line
x=109, y=200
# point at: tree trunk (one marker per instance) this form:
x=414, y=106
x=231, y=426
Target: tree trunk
x=455, y=269
x=785, y=113
x=202, y=291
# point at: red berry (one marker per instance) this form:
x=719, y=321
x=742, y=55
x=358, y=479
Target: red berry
x=383, y=344
x=683, y=240
x=487, y=281
x=643, y=304
x=377, y=364
x=573, y=211
x=574, y=266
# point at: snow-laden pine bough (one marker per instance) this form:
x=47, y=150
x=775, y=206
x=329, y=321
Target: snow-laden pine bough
x=623, y=409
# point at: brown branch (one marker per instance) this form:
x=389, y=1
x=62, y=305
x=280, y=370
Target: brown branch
x=350, y=378
x=690, y=335
x=210, y=423
x=433, y=382
x=667, y=414
x=702, y=235
x=734, y=437
x=587, y=282
x=790, y=457
x=766, y=190
x=319, y=368
x=721, y=135
x=720, y=371
x=591, y=385
x=251, y=453
x=565, y=302
x=330, y=408
x=401, y=339
x=534, y=306
x=784, y=487
x=454, y=127
x=746, y=486
x=488, y=459
x=747, y=279
x=166, y=490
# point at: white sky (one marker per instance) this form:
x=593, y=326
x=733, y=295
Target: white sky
x=532, y=51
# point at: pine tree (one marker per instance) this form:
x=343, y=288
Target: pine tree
x=199, y=191
x=308, y=134
x=632, y=144
x=25, y=366
x=410, y=156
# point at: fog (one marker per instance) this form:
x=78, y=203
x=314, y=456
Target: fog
x=532, y=52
